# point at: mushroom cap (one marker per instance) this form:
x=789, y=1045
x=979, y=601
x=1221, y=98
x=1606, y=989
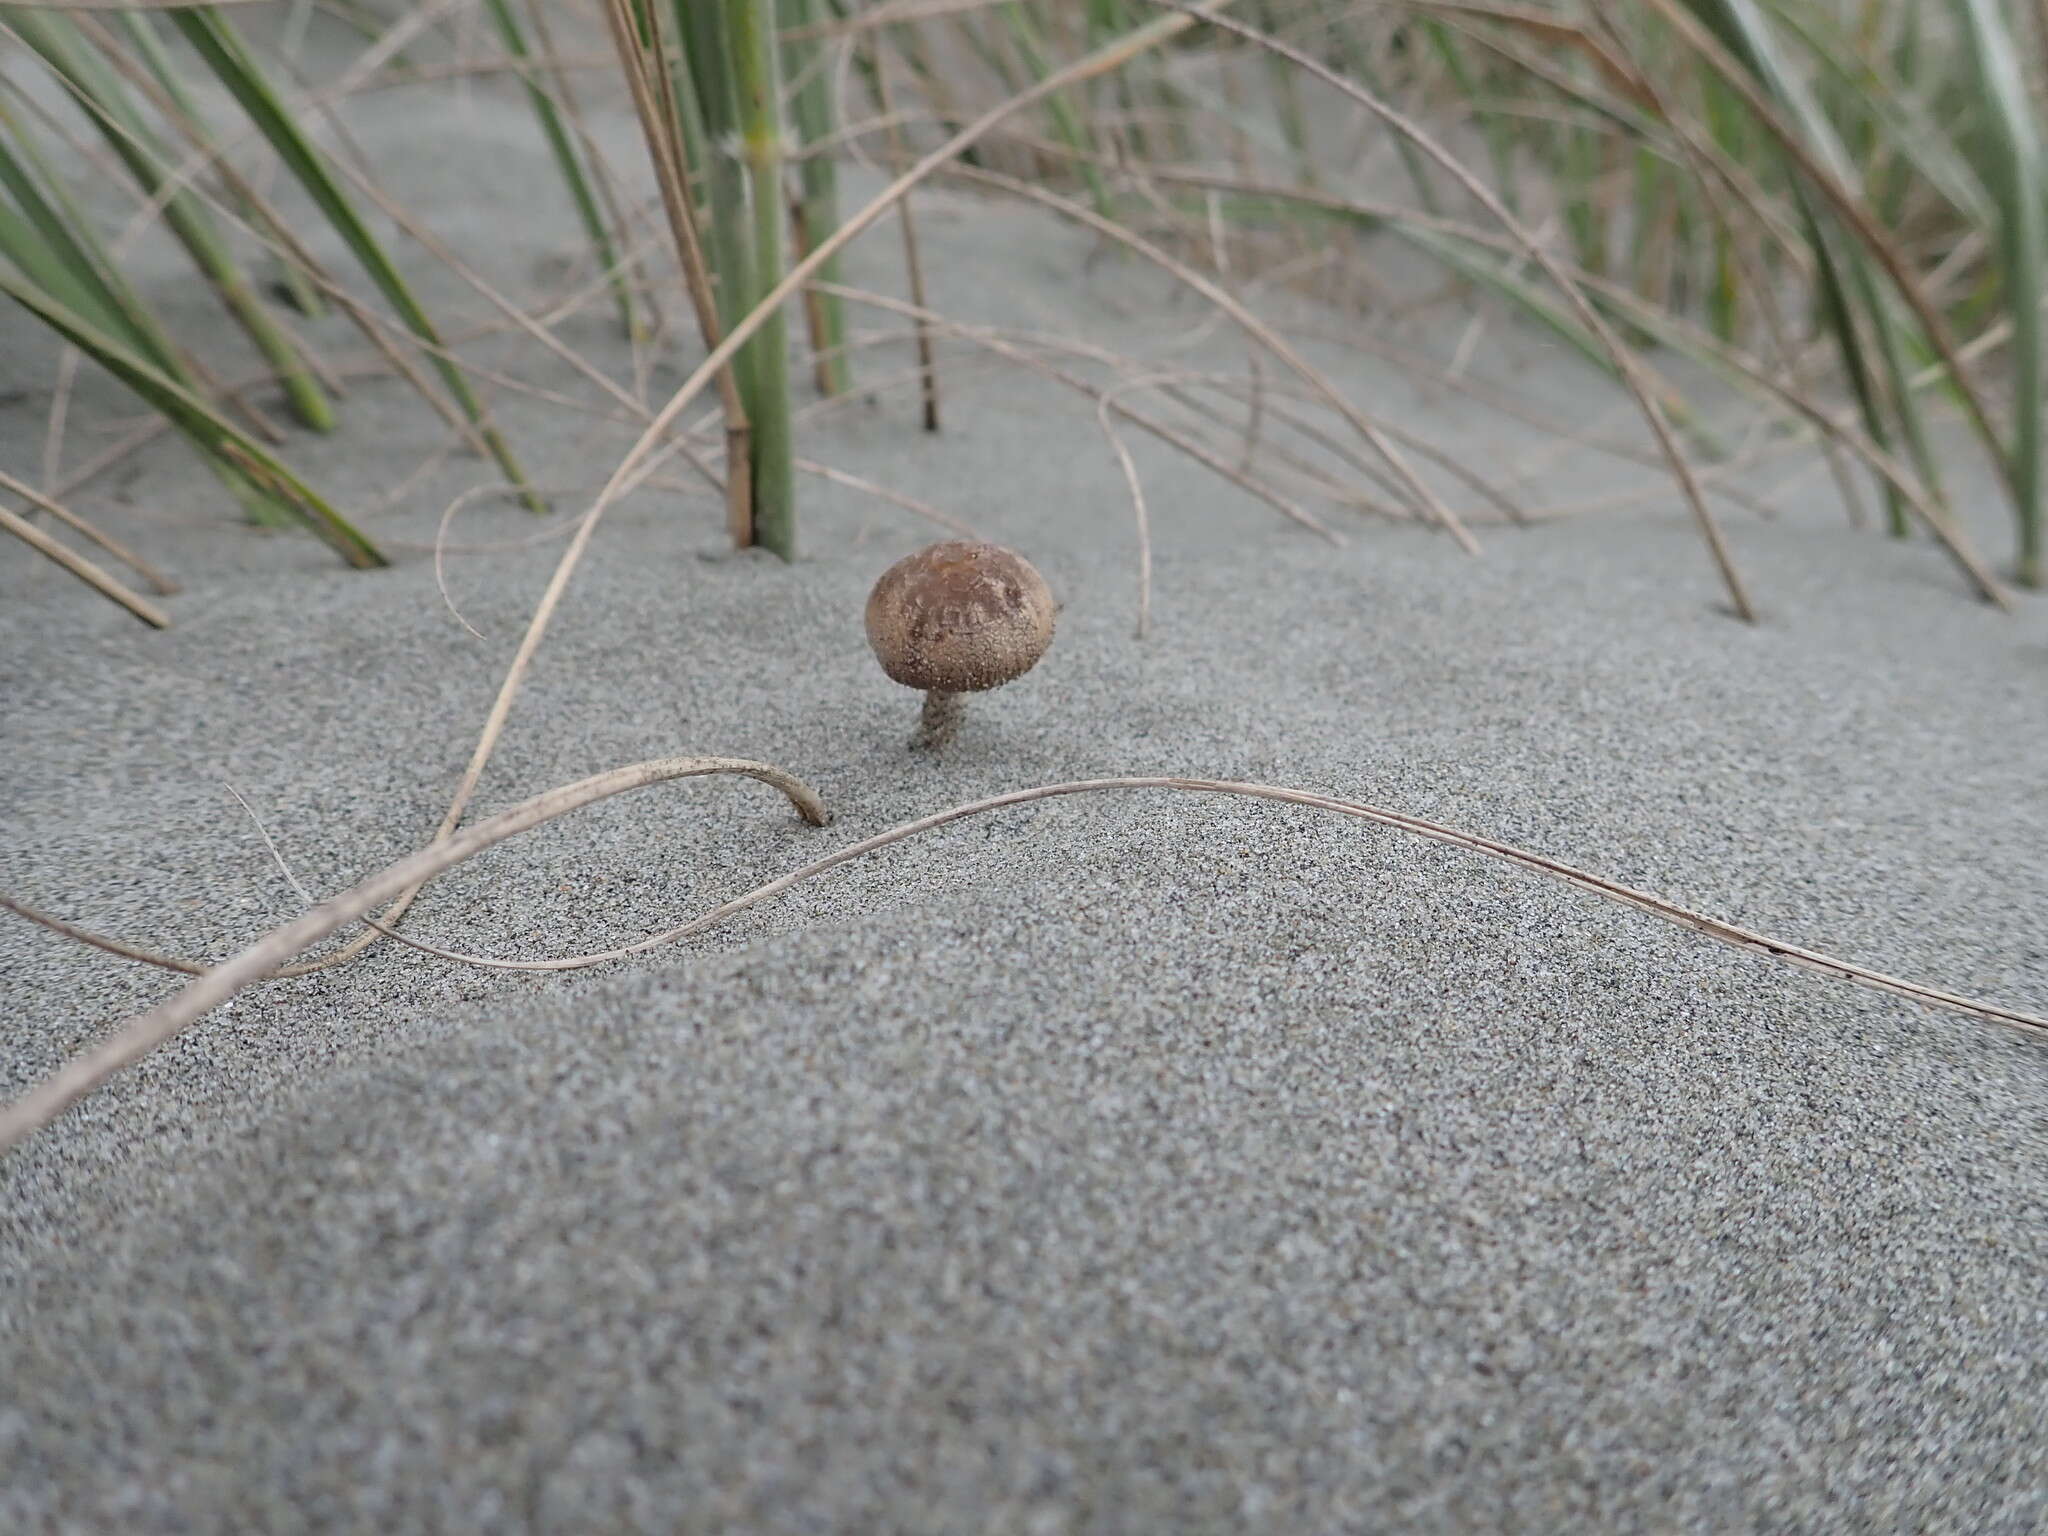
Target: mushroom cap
x=960, y=617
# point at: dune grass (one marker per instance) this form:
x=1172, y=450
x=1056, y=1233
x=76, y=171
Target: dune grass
x=1844, y=195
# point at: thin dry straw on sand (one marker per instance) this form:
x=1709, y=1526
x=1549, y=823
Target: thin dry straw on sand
x=1001, y=345
x=1257, y=329
x=159, y=583
x=92, y=574
x=143, y=1034
x=1140, y=513
x=448, y=846
x=146, y=1031
x=1102, y=60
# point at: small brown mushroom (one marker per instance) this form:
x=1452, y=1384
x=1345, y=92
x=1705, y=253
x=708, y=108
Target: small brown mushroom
x=958, y=618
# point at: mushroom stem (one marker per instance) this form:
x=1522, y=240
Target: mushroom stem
x=941, y=718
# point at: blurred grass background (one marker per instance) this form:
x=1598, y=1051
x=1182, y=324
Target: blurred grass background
x=1833, y=207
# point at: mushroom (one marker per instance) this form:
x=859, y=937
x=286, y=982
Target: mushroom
x=958, y=618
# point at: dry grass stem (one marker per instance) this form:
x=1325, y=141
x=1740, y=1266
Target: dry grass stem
x=996, y=342
x=1254, y=327
x=1140, y=514
x=143, y=1033
x=866, y=487
x=1100, y=61
x=85, y=570
x=1631, y=369
x=159, y=583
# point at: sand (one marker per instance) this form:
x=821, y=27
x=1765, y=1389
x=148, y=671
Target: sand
x=1125, y=1163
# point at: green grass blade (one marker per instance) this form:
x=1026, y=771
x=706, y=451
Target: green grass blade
x=1068, y=125
x=1496, y=130
x=97, y=89
x=81, y=269
x=1357, y=57
x=222, y=49
x=303, y=293
x=56, y=250
x=812, y=108
x=1747, y=33
x=1839, y=316
x=567, y=161
x=1287, y=108
x=26, y=241
x=215, y=435
x=2012, y=149
x=729, y=248
x=1885, y=98
x=1585, y=218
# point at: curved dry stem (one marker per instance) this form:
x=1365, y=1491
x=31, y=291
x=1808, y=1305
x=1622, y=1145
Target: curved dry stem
x=867, y=487
x=1015, y=346
x=996, y=342
x=1831, y=428
x=146, y=1031
x=1599, y=885
x=1139, y=512
x=1252, y=326
x=880, y=52
x=1257, y=394
x=556, y=529
x=93, y=940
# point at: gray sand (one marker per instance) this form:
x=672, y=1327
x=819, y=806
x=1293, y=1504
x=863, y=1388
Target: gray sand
x=1124, y=1163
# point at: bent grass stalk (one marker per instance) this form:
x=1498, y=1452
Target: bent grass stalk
x=1666, y=329
x=1002, y=347
x=143, y=1033
x=1413, y=484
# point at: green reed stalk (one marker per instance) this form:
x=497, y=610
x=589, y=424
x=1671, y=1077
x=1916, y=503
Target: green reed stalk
x=750, y=30
x=816, y=119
